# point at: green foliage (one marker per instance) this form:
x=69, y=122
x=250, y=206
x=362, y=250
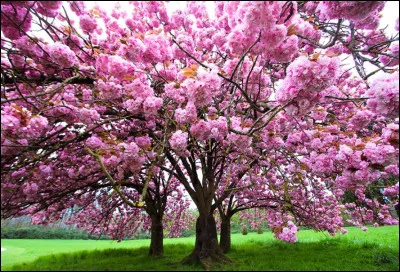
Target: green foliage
x=39, y=232
x=260, y=231
x=189, y=232
x=383, y=258
x=244, y=230
x=141, y=235
x=349, y=197
x=21, y=228
x=376, y=249
x=235, y=224
x=373, y=191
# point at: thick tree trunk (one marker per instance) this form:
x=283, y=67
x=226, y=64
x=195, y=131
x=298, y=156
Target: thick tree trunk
x=225, y=239
x=206, y=251
x=157, y=239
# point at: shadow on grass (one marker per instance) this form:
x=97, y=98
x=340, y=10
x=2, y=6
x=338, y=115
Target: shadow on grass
x=330, y=254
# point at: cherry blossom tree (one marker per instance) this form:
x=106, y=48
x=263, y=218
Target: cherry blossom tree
x=284, y=105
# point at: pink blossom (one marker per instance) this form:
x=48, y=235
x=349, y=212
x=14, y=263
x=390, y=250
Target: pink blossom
x=352, y=10
x=178, y=141
x=114, y=65
x=391, y=191
x=152, y=104
x=94, y=142
x=13, y=18
x=384, y=95
x=201, y=130
x=364, y=228
x=87, y=116
x=313, y=75
x=87, y=23
x=61, y=55
x=288, y=233
x=361, y=119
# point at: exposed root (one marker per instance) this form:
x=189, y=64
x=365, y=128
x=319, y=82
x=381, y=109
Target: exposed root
x=156, y=252
x=208, y=262
x=156, y=255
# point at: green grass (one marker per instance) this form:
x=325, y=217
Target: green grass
x=376, y=249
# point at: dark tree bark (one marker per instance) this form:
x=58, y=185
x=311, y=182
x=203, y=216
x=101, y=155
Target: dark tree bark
x=206, y=251
x=225, y=238
x=157, y=237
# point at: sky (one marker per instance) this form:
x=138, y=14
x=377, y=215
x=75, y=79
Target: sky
x=390, y=14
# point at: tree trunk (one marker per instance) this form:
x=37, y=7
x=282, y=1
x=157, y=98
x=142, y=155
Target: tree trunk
x=157, y=238
x=225, y=239
x=206, y=250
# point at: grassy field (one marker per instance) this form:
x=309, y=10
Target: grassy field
x=376, y=249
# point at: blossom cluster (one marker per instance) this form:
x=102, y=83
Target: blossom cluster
x=288, y=233
x=61, y=54
x=305, y=80
x=13, y=18
x=364, y=14
x=384, y=95
x=392, y=191
x=178, y=142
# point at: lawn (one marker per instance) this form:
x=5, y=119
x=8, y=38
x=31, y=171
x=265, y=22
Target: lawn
x=376, y=249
